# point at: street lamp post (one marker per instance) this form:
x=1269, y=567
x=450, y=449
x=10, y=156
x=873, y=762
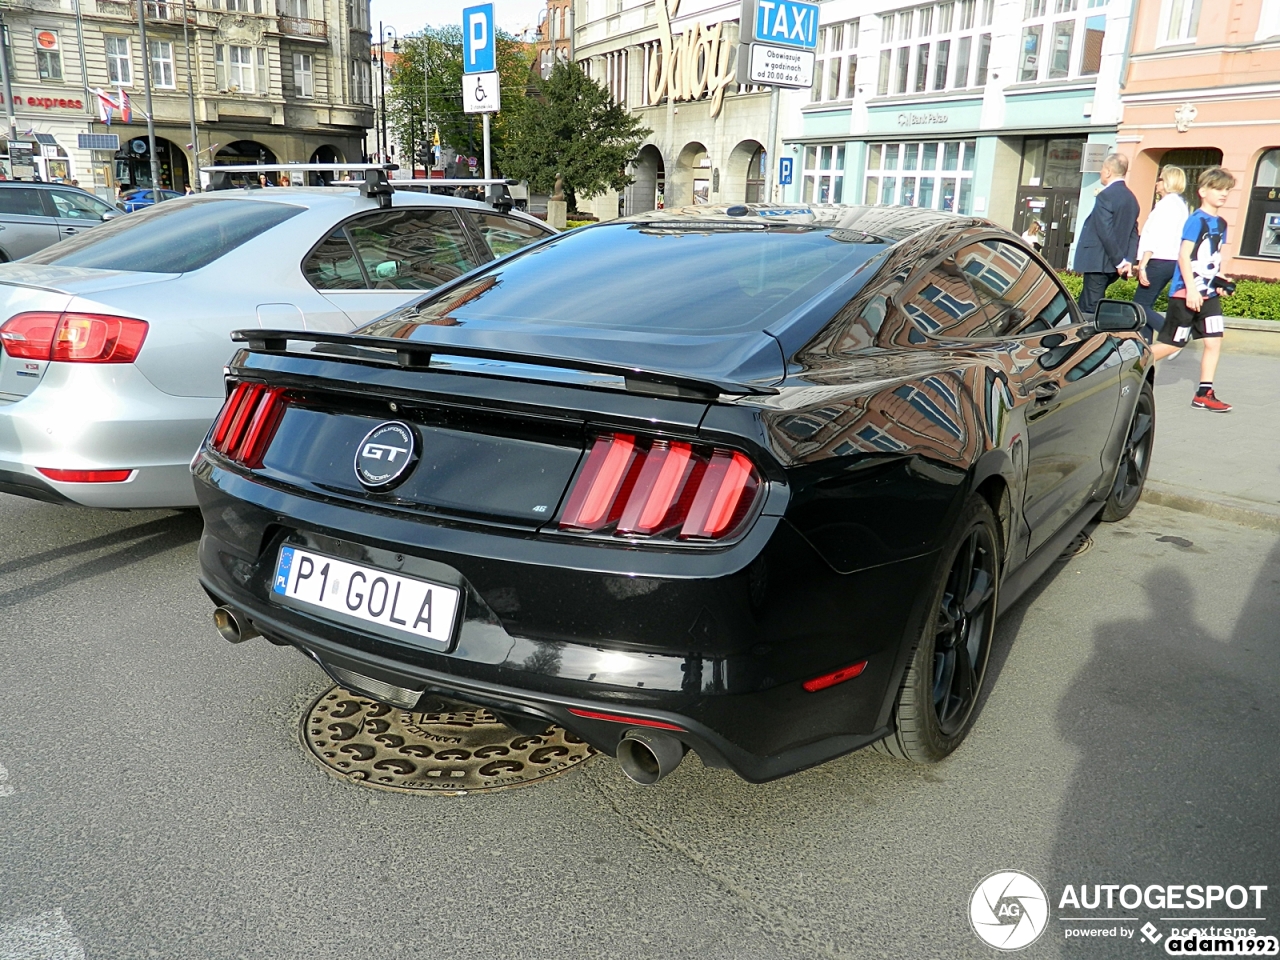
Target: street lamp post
x=146, y=81
x=382, y=73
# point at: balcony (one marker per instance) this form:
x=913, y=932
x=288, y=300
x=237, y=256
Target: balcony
x=162, y=10
x=300, y=27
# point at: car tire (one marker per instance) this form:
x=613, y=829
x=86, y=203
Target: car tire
x=937, y=701
x=1135, y=459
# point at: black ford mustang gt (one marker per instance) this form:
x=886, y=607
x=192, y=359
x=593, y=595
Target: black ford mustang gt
x=752, y=481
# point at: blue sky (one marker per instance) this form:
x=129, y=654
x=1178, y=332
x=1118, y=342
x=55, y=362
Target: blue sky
x=409, y=16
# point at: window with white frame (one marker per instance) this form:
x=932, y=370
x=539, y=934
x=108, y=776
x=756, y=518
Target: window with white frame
x=242, y=6
x=936, y=174
x=358, y=13
x=240, y=69
x=119, y=61
x=361, y=81
x=823, y=173
x=303, y=75
x=836, y=69
x=298, y=9
x=48, y=55
x=1061, y=39
x=938, y=46
x=162, y=64
x=1268, y=20
x=1179, y=21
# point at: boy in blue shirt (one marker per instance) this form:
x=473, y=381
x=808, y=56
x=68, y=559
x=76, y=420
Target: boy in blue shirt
x=1195, y=309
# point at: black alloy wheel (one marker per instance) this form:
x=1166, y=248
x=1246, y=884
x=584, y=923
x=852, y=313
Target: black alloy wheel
x=1131, y=472
x=941, y=689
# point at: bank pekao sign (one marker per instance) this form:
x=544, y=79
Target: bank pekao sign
x=696, y=64
x=931, y=119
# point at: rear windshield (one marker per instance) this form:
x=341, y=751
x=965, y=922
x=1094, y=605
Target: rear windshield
x=654, y=278
x=170, y=237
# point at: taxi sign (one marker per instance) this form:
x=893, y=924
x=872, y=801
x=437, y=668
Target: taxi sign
x=788, y=23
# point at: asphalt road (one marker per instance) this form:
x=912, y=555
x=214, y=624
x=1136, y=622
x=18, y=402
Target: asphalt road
x=155, y=801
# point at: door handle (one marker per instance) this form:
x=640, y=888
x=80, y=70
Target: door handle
x=1046, y=392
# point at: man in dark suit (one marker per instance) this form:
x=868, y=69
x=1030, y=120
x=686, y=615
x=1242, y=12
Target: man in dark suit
x=1108, y=243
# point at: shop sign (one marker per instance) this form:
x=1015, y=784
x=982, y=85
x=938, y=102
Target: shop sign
x=1094, y=154
x=931, y=119
x=48, y=103
x=696, y=64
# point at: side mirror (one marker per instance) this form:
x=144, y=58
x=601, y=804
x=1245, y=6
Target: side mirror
x=1118, y=316
x=109, y=215
x=387, y=270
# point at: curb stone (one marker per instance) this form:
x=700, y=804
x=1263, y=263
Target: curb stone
x=1246, y=513
x=1259, y=326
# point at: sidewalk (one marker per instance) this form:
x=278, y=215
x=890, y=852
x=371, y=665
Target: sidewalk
x=1223, y=465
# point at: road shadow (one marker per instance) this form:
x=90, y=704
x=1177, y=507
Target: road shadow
x=73, y=531
x=1175, y=723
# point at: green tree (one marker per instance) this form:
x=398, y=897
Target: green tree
x=570, y=126
x=440, y=48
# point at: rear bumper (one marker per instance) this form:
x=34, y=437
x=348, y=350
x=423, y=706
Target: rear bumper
x=103, y=417
x=548, y=628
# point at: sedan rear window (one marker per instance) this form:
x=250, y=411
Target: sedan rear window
x=699, y=280
x=169, y=237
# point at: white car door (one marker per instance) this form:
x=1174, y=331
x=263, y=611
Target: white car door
x=381, y=260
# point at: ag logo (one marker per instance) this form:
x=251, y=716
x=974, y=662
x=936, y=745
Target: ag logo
x=385, y=455
x=1009, y=910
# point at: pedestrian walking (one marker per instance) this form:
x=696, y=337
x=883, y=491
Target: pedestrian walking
x=1195, y=307
x=1108, y=243
x=1160, y=243
x=1033, y=236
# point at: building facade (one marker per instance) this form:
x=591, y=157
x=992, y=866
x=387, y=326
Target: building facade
x=273, y=81
x=554, y=35
x=673, y=63
x=1203, y=88
x=999, y=108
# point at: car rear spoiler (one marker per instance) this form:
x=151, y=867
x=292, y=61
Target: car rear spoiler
x=414, y=355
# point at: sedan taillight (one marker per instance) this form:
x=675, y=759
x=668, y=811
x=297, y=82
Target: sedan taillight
x=632, y=487
x=73, y=337
x=248, y=421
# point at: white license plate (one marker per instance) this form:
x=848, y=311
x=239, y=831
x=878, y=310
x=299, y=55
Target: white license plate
x=402, y=605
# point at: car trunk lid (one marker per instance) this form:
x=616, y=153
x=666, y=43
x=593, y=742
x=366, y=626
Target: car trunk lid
x=50, y=289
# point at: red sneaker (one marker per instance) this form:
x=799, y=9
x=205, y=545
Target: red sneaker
x=1209, y=402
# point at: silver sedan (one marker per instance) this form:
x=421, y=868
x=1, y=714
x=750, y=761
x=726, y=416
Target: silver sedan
x=114, y=341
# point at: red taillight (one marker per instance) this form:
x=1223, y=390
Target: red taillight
x=248, y=421
x=86, y=476
x=643, y=488
x=29, y=336
x=73, y=337
x=621, y=718
x=836, y=676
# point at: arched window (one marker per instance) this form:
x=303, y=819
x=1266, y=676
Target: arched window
x=1193, y=163
x=1262, y=224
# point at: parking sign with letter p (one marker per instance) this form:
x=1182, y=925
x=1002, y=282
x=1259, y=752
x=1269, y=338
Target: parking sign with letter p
x=477, y=39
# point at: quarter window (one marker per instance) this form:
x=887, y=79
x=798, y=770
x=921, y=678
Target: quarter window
x=503, y=235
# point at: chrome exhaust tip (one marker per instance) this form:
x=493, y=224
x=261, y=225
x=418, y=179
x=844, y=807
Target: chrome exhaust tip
x=233, y=627
x=646, y=756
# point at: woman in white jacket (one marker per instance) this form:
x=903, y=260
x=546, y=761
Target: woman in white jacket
x=1160, y=242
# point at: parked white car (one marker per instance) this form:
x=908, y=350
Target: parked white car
x=114, y=341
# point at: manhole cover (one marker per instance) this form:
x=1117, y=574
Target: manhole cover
x=1080, y=543
x=451, y=748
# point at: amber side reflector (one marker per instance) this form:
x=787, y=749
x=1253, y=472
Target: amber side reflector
x=620, y=718
x=831, y=679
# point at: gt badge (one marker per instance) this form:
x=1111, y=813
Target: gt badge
x=386, y=454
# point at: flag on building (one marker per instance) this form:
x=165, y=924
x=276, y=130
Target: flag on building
x=105, y=106
x=126, y=108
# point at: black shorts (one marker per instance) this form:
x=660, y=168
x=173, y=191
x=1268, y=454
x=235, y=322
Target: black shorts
x=1182, y=325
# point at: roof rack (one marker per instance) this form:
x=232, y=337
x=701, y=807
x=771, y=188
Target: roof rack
x=376, y=183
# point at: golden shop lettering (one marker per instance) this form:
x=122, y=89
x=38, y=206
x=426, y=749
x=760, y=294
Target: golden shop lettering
x=699, y=62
